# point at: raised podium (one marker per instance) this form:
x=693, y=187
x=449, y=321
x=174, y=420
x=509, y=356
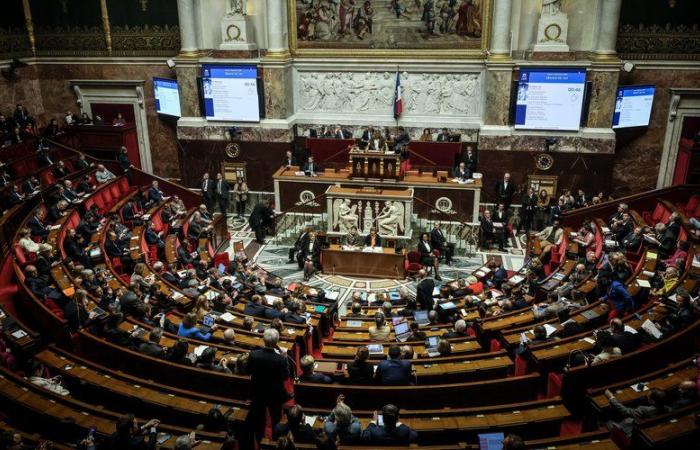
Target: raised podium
x=374, y=165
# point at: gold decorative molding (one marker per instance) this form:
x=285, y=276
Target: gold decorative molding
x=658, y=42
x=29, y=23
x=105, y=26
x=418, y=53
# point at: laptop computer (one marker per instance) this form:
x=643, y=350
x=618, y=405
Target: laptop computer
x=208, y=322
x=402, y=331
x=421, y=317
x=431, y=345
x=491, y=441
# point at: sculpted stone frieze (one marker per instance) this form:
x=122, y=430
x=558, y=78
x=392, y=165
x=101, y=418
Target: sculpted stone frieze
x=447, y=94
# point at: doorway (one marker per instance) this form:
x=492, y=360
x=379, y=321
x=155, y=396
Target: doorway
x=680, y=152
x=109, y=97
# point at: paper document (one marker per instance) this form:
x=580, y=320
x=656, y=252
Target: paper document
x=550, y=329
x=643, y=283
x=227, y=317
x=651, y=329
x=198, y=350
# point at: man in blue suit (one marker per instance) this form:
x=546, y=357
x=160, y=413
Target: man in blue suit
x=154, y=193
x=393, y=371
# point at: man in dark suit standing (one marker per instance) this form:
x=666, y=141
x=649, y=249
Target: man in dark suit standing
x=439, y=241
x=469, y=158
x=207, y=187
x=527, y=212
x=298, y=245
x=443, y=136
x=505, y=190
x=261, y=215
x=289, y=160
x=489, y=232
x=268, y=370
x=373, y=239
x=424, y=291
x=367, y=134
x=221, y=189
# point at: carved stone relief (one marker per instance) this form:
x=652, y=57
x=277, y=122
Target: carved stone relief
x=445, y=94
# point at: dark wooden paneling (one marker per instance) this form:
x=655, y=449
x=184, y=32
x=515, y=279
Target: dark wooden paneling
x=590, y=172
x=262, y=160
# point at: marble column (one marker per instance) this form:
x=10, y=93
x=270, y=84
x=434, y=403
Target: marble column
x=187, y=80
x=500, y=34
x=607, y=31
x=498, y=86
x=277, y=79
x=277, y=43
x=604, y=86
x=188, y=32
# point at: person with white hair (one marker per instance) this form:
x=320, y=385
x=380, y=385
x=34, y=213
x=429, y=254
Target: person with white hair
x=340, y=423
x=459, y=330
x=268, y=370
x=186, y=441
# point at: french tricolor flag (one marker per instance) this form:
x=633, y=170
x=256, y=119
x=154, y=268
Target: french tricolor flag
x=398, y=98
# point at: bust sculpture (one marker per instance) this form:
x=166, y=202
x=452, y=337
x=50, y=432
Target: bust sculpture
x=236, y=7
x=550, y=7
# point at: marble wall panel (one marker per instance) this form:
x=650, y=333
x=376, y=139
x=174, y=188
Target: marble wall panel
x=497, y=103
x=277, y=89
x=602, y=105
x=638, y=153
x=189, y=92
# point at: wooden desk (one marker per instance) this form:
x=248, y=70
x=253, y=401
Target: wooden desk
x=387, y=264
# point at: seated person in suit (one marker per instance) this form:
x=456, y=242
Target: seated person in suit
x=459, y=330
x=36, y=225
x=353, y=238
x=311, y=168
x=255, y=307
x=439, y=242
x=184, y=257
x=461, y=172
x=307, y=364
x=550, y=237
x=391, y=432
x=296, y=425
x=155, y=195
x=443, y=136
x=401, y=143
x=490, y=232
x=360, y=370
x=373, y=239
x=427, y=255
x=394, y=371
x=311, y=255
x=153, y=238
x=289, y=159
x=129, y=214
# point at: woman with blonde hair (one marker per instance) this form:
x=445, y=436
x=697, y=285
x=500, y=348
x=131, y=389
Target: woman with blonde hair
x=202, y=307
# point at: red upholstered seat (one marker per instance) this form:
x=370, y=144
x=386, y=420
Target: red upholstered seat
x=494, y=345
x=106, y=195
x=553, y=384
x=115, y=191
x=520, y=366
x=20, y=255
x=413, y=264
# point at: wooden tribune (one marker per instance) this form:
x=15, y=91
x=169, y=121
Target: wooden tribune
x=375, y=165
x=387, y=264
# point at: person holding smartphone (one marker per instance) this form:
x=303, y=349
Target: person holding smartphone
x=385, y=429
